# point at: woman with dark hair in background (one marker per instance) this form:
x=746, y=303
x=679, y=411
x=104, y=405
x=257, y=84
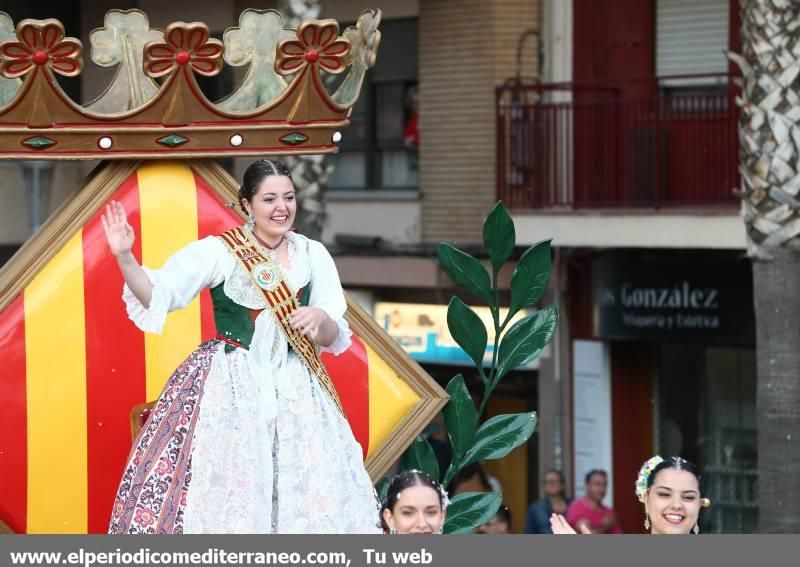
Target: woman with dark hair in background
x=669, y=489
x=415, y=504
x=554, y=501
x=248, y=435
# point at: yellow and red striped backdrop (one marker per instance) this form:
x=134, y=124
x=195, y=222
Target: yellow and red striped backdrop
x=73, y=365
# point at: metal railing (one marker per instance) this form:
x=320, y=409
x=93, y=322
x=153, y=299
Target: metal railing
x=648, y=143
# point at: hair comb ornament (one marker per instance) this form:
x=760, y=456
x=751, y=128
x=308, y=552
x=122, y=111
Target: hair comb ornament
x=282, y=106
x=643, y=480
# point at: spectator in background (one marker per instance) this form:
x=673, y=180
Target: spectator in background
x=589, y=511
x=474, y=478
x=411, y=134
x=499, y=525
x=411, y=130
x=555, y=501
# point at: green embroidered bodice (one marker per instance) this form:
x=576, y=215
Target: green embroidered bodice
x=236, y=322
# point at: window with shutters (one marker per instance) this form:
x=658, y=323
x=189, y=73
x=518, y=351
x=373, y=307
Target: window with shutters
x=692, y=39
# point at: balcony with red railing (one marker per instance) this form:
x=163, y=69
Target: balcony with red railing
x=655, y=143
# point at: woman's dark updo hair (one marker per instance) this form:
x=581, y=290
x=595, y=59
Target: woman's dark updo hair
x=403, y=480
x=255, y=174
x=673, y=463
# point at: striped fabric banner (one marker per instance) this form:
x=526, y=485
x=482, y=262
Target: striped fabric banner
x=55, y=355
x=74, y=366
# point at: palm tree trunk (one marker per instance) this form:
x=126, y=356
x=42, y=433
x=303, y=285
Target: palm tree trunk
x=769, y=150
x=776, y=286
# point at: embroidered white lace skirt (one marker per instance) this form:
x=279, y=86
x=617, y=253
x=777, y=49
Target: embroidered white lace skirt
x=302, y=472
x=214, y=458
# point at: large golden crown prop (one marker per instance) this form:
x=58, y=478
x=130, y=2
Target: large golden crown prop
x=154, y=108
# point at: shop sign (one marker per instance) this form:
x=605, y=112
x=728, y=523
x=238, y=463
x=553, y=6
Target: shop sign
x=421, y=330
x=652, y=300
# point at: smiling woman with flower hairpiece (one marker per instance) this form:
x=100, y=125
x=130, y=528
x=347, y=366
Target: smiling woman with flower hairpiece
x=669, y=489
x=415, y=504
x=248, y=435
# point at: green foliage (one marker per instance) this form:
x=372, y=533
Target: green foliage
x=460, y=416
x=466, y=271
x=420, y=456
x=499, y=236
x=530, y=277
x=467, y=330
x=469, y=510
x=526, y=339
x=382, y=488
x=471, y=440
x=500, y=435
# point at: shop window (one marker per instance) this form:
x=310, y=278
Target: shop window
x=706, y=413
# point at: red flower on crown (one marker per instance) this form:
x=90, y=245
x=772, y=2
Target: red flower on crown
x=316, y=44
x=186, y=44
x=42, y=44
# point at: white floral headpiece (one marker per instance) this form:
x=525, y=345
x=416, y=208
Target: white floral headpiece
x=643, y=480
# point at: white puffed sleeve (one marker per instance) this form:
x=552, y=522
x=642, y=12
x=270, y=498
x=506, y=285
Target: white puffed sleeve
x=186, y=273
x=327, y=294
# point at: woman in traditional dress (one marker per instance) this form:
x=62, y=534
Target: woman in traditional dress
x=415, y=504
x=669, y=489
x=248, y=435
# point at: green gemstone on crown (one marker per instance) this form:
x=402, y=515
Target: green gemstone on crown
x=173, y=140
x=39, y=143
x=294, y=138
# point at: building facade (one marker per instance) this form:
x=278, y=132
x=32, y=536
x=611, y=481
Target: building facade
x=626, y=155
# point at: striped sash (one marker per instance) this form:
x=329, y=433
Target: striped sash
x=269, y=278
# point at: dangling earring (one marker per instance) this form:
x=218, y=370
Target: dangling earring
x=440, y=530
x=647, y=521
x=251, y=221
x=392, y=530
x=696, y=528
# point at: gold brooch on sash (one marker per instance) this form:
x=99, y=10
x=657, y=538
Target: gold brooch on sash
x=266, y=276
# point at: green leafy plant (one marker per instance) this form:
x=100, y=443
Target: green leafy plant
x=472, y=440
